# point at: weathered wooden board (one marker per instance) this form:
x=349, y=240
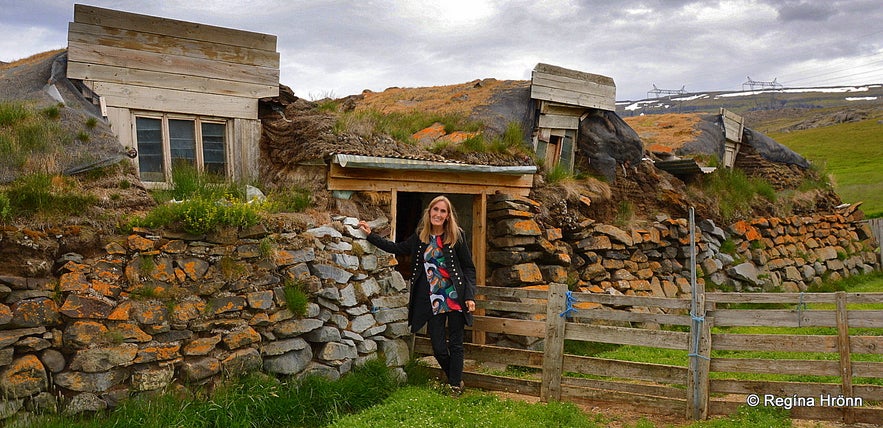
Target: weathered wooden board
x=158, y=79
x=171, y=64
x=582, y=315
x=527, y=293
x=788, y=367
x=157, y=43
x=571, y=87
x=786, y=389
x=516, y=307
x=733, y=125
x=168, y=100
x=628, y=336
x=364, y=179
x=608, y=299
x=558, y=121
x=510, y=326
x=627, y=387
x=794, y=298
x=773, y=318
x=650, y=403
x=773, y=342
x=171, y=27
x=658, y=373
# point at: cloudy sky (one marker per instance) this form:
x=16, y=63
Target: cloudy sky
x=339, y=48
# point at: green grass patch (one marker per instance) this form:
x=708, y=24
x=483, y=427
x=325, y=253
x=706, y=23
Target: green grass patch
x=735, y=192
x=43, y=195
x=296, y=299
x=289, y=199
x=427, y=407
x=851, y=152
x=398, y=125
x=255, y=400
x=198, y=203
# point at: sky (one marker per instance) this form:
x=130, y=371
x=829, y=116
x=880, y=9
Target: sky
x=337, y=48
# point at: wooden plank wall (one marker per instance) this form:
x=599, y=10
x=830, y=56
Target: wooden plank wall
x=143, y=62
x=571, y=87
x=733, y=125
x=660, y=387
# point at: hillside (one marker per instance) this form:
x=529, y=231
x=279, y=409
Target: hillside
x=773, y=101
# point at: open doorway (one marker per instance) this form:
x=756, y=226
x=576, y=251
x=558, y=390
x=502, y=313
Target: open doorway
x=409, y=209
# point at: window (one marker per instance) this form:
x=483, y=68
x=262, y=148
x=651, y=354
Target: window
x=165, y=140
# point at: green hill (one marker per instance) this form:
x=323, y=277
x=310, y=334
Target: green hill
x=851, y=152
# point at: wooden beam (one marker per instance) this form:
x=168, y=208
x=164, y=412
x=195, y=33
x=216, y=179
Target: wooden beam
x=158, y=43
x=171, y=27
x=171, y=64
x=553, y=347
x=158, y=79
x=845, y=356
x=171, y=101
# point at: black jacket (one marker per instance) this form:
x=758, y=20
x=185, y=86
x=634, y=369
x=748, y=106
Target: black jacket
x=462, y=270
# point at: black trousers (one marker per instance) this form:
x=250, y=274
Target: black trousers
x=447, y=343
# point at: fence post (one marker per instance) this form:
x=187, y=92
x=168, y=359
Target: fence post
x=553, y=348
x=700, y=340
x=845, y=357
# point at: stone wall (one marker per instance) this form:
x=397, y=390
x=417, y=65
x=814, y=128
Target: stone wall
x=765, y=254
x=153, y=310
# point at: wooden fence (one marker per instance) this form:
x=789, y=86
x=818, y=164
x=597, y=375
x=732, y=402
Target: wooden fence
x=843, y=385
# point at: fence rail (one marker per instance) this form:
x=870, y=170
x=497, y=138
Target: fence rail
x=705, y=384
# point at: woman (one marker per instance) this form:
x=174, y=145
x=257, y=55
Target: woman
x=442, y=283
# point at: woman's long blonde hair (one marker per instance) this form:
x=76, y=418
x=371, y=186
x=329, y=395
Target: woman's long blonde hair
x=452, y=229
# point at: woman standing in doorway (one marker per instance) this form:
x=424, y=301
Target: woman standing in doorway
x=442, y=283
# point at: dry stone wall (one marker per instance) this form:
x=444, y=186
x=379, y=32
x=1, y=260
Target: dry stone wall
x=155, y=310
x=764, y=254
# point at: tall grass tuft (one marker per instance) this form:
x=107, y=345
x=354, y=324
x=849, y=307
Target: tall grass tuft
x=199, y=203
x=253, y=400
x=735, y=191
x=45, y=195
x=295, y=297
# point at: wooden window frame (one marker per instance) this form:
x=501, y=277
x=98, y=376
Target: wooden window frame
x=166, y=142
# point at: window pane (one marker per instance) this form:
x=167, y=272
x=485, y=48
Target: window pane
x=213, y=154
x=182, y=139
x=150, y=156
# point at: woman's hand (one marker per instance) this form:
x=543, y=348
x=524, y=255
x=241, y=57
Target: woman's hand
x=470, y=306
x=363, y=225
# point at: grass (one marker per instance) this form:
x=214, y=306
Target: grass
x=427, y=407
x=255, y=400
x=735, y=192
x=399, y=125
x=856, y=284
x=28, y=134
x=198, y=203
x=851, y=152
x=44, y=196
x=296, y=299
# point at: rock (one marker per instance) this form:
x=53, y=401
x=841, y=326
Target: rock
x=151, y=379
x=242, y=337
x=36, y=312
x=90, y=382
x=745, y=272
x=333, y=351
x=85, y=402
x=517, y=227
x=289, y=363
x=101, y=359
x=395, y=350
x=323, y=334
x=293, y=328
x=201, y=346
x=280, y=347
x=331, y=272
x=81, y=306
x=525, y=273
x=24, y=377
x=242, y=361
x=82, y=334
x=615, y=233
x=200, y=368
